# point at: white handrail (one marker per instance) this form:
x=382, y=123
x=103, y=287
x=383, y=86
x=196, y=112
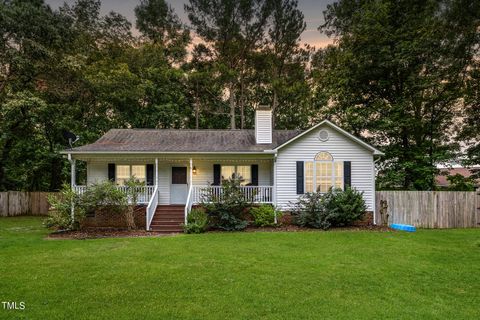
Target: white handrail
x=144, y=192
x=253, y=194
x=152, y=207
x=188, y=204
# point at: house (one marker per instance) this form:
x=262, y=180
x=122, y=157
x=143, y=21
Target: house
x=180, y=166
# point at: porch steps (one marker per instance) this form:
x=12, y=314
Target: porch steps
x=168, y=219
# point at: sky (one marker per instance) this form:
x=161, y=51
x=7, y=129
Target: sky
x=312, y=10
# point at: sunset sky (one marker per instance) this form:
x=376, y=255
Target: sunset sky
x=312, y=9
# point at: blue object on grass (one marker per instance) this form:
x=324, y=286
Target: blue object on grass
x=403, y=227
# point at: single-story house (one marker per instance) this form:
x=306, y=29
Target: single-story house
x=276, y=166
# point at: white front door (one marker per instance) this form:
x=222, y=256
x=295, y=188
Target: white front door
x=179, y=187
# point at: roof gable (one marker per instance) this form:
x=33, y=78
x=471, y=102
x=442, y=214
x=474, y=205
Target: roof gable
x=336, y=128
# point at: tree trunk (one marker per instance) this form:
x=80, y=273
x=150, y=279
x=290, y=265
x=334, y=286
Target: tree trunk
x=274, y=107
x=242, y=105
x=232, y=107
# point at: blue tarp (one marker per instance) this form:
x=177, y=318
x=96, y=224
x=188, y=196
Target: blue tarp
x=403, y=227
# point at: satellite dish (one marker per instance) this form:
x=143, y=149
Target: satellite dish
x=70, y=137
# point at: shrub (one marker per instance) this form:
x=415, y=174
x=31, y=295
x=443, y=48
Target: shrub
x=344, y=207
x=333, y=209
x=103, y=196
x=197, y=221
x=132, y=195
x=228, y=211
x=264, y=215
x=310, y=211
x=60, y=215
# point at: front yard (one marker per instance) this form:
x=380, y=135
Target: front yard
x=281, y=275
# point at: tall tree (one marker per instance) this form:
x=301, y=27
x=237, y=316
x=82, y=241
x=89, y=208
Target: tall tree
x=396, y=76
x=282, y=49
x=233, y=29
x=158, y=22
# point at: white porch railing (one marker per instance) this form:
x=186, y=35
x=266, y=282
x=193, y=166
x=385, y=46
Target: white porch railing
x=253, y=194
x=152, y=207
x=144, y=192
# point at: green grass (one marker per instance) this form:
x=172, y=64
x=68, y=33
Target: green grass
x=430, y=274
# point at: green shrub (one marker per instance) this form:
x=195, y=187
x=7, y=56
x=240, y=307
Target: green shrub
x=333, y=209
x=310, y=211
x=344, y=207
x=264, y=215
x=103, y=196
x=228, y=211
x=197, y=221
x=60, y=215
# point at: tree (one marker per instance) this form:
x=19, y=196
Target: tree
x=158, y=22
x=232, y=30
x=282, y=50
x=396, y=76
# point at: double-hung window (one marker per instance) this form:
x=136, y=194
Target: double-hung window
x=323, y=173
x=244, y=173
x=125, y=172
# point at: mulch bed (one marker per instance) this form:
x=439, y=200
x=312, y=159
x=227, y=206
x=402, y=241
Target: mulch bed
x=116, y=233
x=104, y=233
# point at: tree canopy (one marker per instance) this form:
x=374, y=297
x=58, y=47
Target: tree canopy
x=403, y=75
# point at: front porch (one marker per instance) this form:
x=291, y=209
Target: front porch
x=178, y=182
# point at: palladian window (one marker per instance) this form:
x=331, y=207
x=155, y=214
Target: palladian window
x=323, y=173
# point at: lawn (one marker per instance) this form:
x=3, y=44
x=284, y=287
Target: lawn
x=429, y=274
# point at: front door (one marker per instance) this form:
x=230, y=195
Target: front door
x=179, y=188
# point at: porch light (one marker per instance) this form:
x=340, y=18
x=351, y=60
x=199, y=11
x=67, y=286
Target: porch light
x=194, y=170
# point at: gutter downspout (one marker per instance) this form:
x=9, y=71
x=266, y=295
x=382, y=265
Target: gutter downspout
x=275, y=186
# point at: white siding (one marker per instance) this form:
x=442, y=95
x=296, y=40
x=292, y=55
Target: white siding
x=340, y=147
x=97, y=171
x=263, y=126
x=204, y=174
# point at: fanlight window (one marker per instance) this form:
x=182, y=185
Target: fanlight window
x=323, y=156
x=323, y=173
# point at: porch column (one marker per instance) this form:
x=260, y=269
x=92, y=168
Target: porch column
x=190, y=180
x=156, y=172
x=274, y=191
x=72, y=182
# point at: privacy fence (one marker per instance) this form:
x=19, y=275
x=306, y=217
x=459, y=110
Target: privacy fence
x=429, y=209
x=18, y=203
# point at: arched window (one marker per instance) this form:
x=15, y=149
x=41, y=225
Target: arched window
x=323, y=156
x=323, y=173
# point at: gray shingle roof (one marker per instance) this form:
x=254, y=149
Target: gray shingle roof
x=174, y=140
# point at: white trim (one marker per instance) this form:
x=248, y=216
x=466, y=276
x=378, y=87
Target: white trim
x=366, y=145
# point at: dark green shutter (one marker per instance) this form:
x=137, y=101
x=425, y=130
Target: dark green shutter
x=111, y=172
x=216, y=175
x=347, y=174
x=150, y=175
x=254, y=170
x=300, y=178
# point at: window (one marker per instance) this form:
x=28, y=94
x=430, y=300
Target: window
x=125, y=172
x=323, y=173
x=237, y=172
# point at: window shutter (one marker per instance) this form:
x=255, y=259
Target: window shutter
x=216, y=175
x=254, y=174
x=150, y=175
x=111, y=172
x=347, y=174
x=300, y=177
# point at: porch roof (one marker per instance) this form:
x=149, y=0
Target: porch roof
x=174, y=140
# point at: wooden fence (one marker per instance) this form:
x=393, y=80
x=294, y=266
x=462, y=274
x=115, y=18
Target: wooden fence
x=429, y=209
x=18, y=203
